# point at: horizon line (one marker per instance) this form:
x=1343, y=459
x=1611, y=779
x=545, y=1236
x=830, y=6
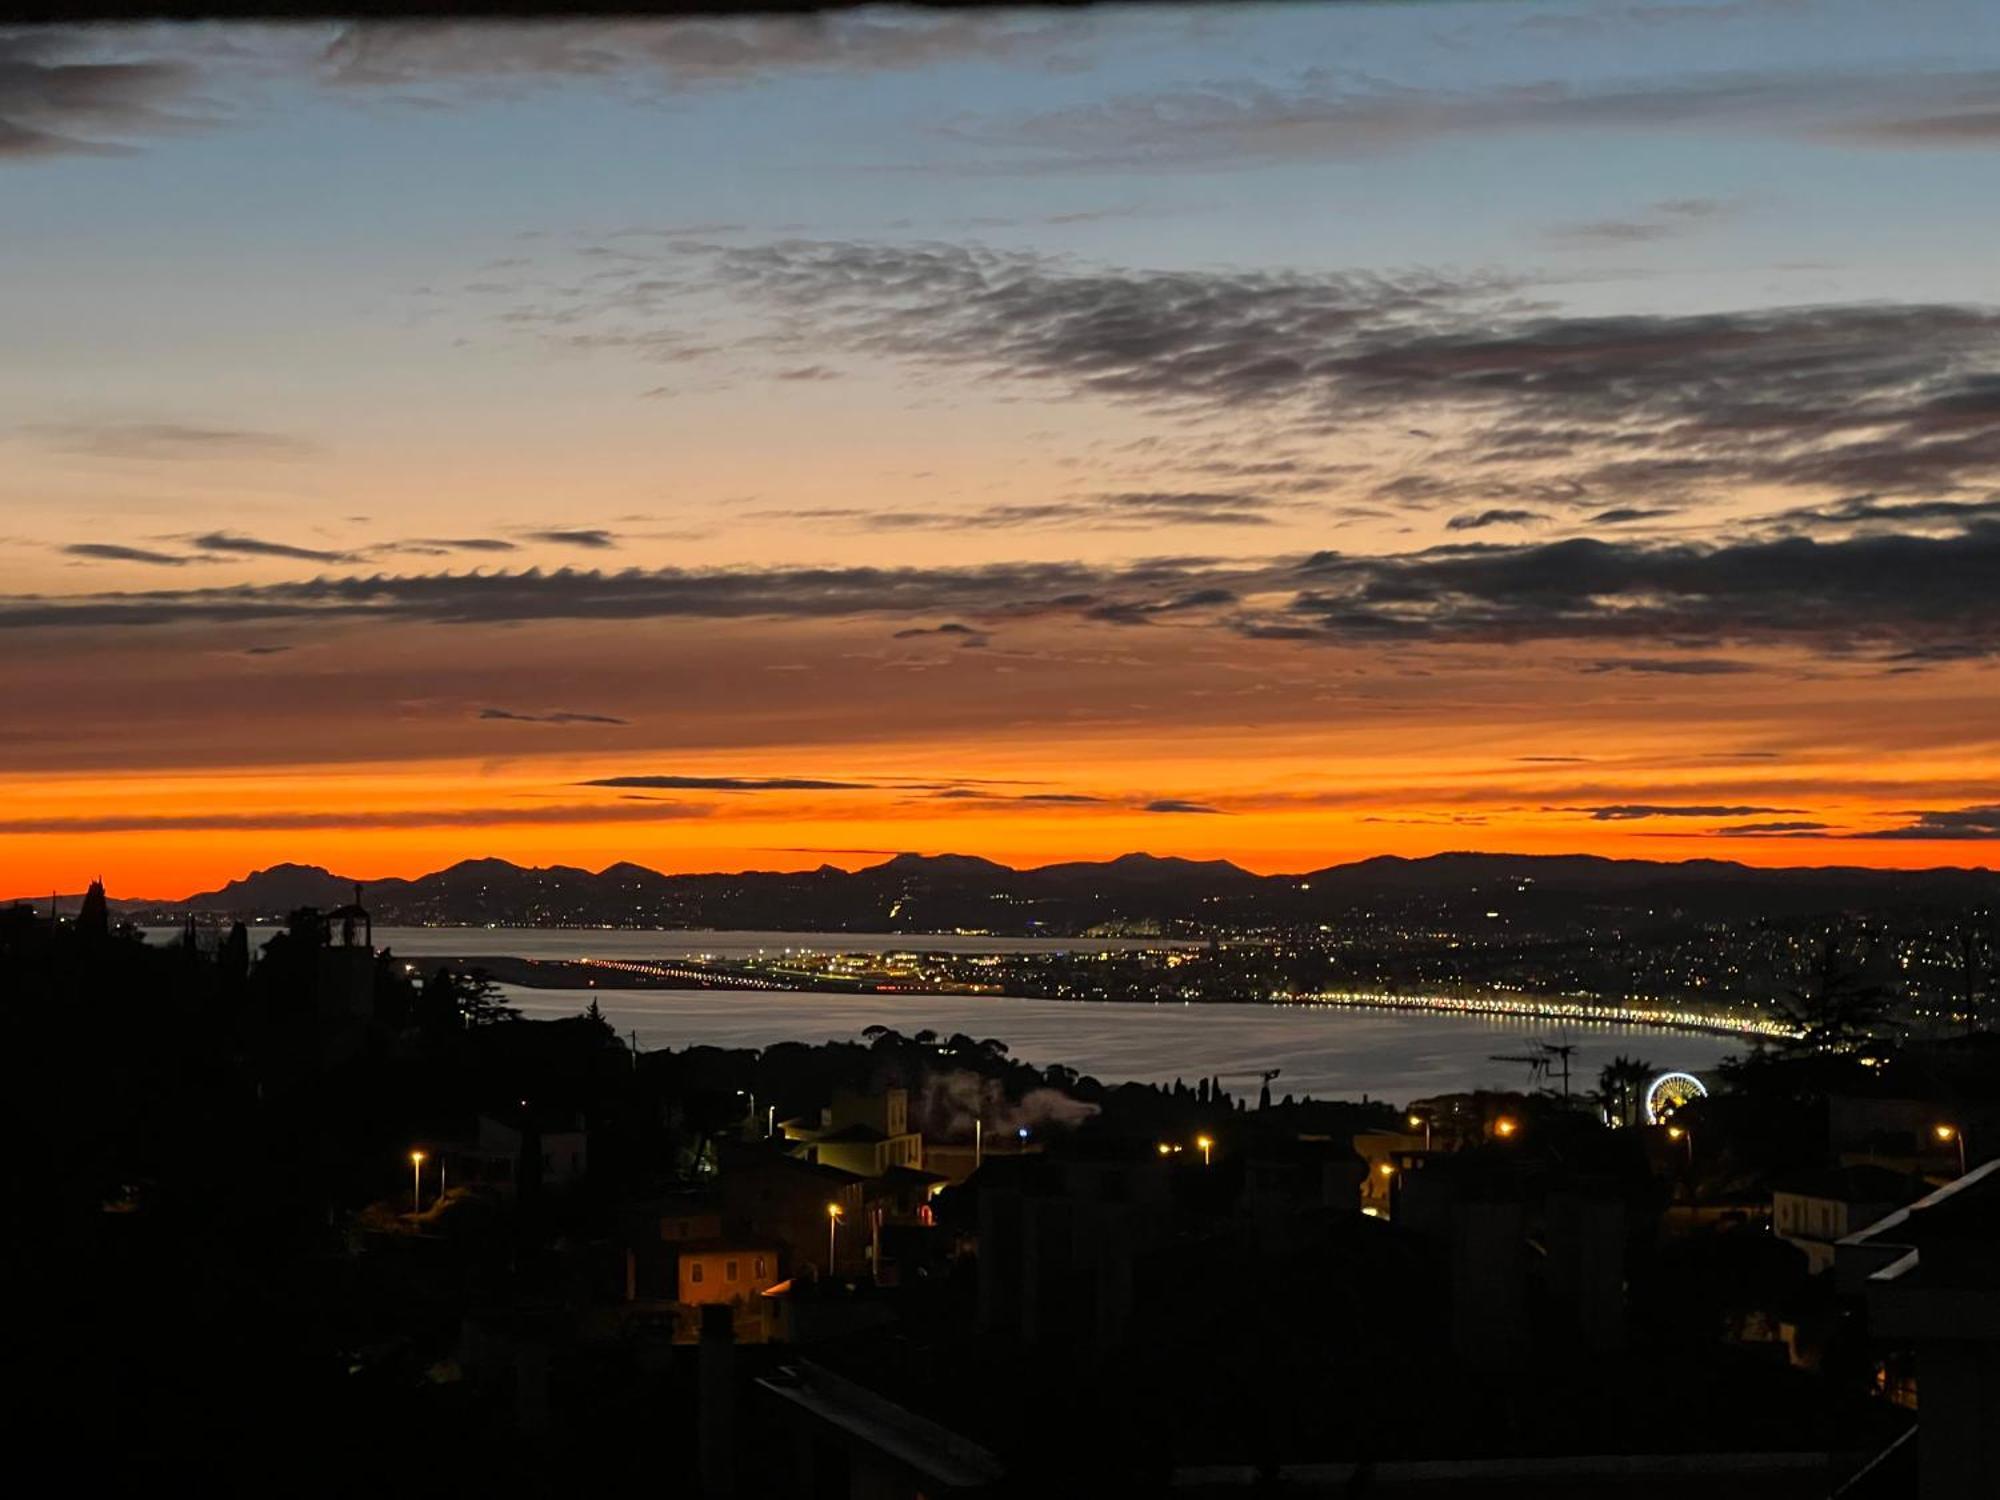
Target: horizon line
x=1878, y=871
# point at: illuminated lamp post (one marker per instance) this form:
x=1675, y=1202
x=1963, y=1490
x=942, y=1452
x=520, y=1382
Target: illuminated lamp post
x=1677, y=1133
x=1953, y=1133
x=832, y=1226
x=416, y=1182
x=1207, y=1145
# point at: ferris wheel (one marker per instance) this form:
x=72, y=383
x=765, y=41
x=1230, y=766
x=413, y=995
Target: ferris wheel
x=1669, y=1092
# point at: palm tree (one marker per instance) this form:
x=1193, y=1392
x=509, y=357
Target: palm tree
x=1621, y=1089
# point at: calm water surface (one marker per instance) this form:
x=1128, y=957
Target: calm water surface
x=1326, y=1052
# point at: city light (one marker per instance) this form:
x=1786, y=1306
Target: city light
x=832, y=1228
x=1686, y=1138
x=1505, y=1127
x=416, y=1182
x=1386, y=1170
x=1206, y=1145
x=1537, y=1009
x=1953, y=1133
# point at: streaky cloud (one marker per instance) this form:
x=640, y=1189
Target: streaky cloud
x=232, y=544
x=732, y=783
x=438, y=817
x=557, y=716
x=116, y=552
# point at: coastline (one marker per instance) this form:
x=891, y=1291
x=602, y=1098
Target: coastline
x=1527, y=1008
x=611, y=976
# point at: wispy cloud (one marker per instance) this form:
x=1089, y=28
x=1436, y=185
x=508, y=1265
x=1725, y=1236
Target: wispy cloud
x=1138, y=510
x=553, y=716
x=167, y=441
x=1666, y=220
x=590, y=538
x=116, y=552
x=426, y=56
x=965, y=635
x=231, y=543
x=439, y=817
x=1625, y=812
x=59, y=96
x=1870, y=597
x=1674, y=666
x=1982, y=822
x=1480, y=520
x=441, y=544
x=732, y=783
x=1323, y=114
x=1563, y=410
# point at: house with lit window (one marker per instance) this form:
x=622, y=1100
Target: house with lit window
x=863, y=1133
x=770, y=1197
x=722, y=1271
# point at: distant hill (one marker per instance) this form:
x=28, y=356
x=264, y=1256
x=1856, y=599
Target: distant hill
x=281, y=888
x=1132, y=893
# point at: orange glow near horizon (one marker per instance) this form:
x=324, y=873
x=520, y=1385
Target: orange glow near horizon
x=1275, y=811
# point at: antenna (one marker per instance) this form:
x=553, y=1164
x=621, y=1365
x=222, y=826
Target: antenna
x=1536, y=1063
x=1563, y=1051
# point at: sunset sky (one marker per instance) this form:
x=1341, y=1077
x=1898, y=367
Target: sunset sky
x=1282, y=434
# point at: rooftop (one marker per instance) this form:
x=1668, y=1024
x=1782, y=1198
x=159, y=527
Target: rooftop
x=919, y=1444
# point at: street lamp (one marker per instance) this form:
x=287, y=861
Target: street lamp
x=1206, y=1145
x=1505, y=1126
x=416, y=1182
x=1425, y=1121
x=1953, y=1133
x=832, y=1225
x=1677, y=1133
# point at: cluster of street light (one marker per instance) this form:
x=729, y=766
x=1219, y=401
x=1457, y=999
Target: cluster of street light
x=1551, y=1010
x=1203, y=1143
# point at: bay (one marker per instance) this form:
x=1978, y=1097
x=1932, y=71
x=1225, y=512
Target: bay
x=1327, y=1051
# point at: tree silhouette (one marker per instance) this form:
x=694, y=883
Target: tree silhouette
x=473, y=999
x=1621, y=1089
x=1836, y=1005
x=1975, y=939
